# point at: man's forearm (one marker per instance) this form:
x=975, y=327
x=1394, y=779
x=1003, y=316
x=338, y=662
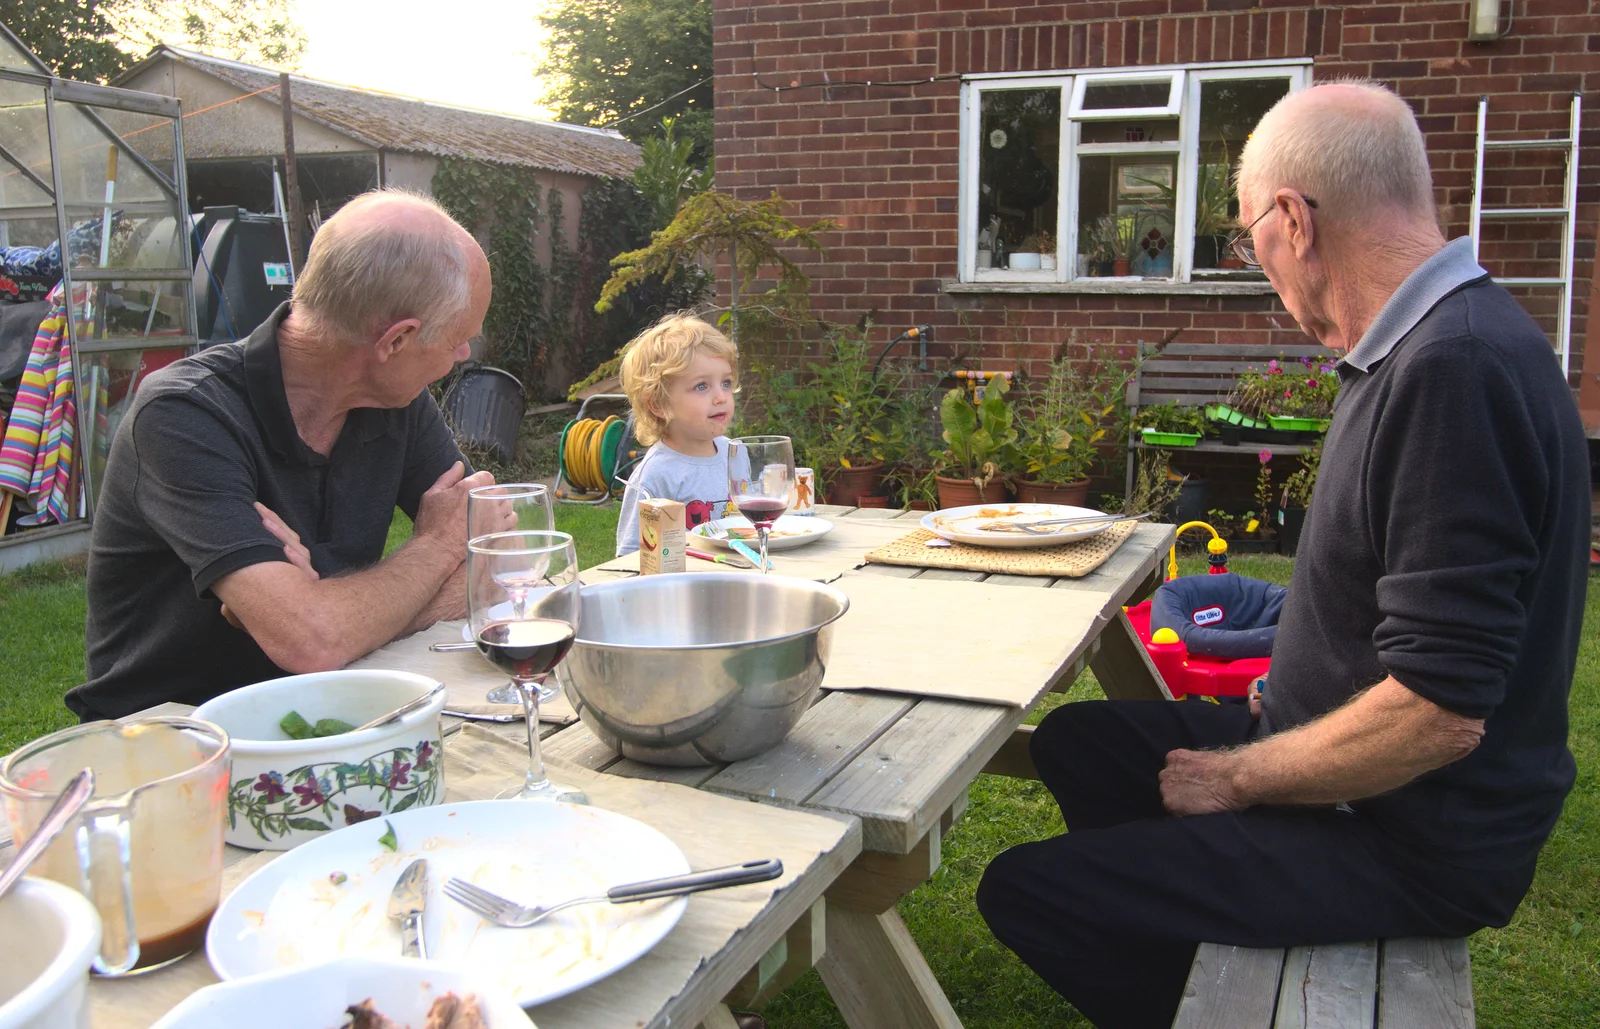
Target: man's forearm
x=448, y=604
x=1381, y=740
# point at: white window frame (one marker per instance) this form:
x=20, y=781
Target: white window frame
x=1183, y=102
x=1080, y=89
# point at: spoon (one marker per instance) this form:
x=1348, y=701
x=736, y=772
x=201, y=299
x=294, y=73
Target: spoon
x=445, y=648
x=66, y=807
x=403, y=710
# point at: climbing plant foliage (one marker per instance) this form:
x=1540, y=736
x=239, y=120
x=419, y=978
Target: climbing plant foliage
x=750, y=234
x=541, y=314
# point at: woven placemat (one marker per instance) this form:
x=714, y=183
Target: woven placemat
x=1068, y=560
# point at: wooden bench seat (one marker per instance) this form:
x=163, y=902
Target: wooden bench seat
x=1413, y=983
x=1197, y=374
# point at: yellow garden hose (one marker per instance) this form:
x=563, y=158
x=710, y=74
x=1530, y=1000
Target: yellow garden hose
x=582, y=454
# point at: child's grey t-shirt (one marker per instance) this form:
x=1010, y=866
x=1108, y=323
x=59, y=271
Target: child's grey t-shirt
x=701, y=483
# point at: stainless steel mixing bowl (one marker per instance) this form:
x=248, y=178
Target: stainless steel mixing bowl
x=699, y=667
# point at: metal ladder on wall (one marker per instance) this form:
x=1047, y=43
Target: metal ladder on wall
x=1567, y=213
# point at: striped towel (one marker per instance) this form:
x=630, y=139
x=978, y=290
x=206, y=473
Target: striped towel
x=36, y=455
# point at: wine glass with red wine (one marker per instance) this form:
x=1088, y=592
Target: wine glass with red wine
x=523, y=604
x=502, y=508
x=761, y=482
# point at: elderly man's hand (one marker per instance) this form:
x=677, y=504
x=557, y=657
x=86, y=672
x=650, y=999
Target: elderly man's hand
x=1199, y=782
x=293, y=549
x=442, y=514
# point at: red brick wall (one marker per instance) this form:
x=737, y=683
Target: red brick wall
x=883, y=160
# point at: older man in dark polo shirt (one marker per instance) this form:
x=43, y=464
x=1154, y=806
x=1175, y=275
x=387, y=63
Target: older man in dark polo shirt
x=1409, y=757
x=249, y=490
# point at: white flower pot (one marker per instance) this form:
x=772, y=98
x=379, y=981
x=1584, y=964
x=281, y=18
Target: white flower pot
x=1022, y=261
x=985, y=258
x=1047, y=262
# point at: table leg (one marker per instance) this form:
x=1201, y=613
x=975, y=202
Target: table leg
x=878, y=977
x=1123, y=666
x=872, y=967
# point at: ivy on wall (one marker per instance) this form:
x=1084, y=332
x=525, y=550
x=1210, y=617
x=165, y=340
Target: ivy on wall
x=542, y=316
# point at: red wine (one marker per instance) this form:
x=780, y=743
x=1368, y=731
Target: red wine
x=526, y=649
x=761, y=510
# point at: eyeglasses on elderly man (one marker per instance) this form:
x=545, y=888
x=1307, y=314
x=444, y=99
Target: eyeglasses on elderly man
x=1243, y=245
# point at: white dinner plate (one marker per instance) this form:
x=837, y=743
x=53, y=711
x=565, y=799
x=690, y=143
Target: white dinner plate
x=788, y=532
x=328, y=898
x=316, y=996
x=961, y=524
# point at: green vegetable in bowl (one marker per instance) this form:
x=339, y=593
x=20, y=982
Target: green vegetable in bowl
x=296, y=727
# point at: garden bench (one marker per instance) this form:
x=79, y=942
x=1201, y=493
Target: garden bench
x=1412, y=983
x=1197, y=374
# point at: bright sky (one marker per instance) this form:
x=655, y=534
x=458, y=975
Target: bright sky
x=474, y=53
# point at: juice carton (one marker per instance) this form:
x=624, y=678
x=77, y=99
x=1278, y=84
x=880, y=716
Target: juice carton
x=661, y=537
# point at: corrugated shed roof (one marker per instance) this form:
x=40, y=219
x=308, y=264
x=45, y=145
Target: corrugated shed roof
x=387, y=121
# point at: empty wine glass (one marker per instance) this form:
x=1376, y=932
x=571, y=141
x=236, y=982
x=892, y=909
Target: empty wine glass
x=761, y=482
x=523, y=603
x=502, y=508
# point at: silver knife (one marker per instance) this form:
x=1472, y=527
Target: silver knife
x=406, y=904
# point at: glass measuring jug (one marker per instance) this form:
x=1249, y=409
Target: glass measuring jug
x=147, y=847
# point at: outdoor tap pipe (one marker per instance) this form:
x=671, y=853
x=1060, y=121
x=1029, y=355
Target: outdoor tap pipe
x=920, y=333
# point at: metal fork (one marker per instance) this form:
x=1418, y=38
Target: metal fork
x=1037, y=528
x=511, y=915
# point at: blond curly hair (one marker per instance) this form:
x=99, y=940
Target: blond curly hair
x=658, y=355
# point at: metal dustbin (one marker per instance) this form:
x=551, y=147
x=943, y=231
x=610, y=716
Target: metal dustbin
x=484, y=407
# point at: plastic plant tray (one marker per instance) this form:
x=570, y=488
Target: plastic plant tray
x=1170, y=439
x=1298, y=424
x=1228, y=416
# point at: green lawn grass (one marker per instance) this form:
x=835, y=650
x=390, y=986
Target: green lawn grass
x=1542, y=970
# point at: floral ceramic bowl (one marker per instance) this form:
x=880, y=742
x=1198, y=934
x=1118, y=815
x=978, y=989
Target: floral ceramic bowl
x=284, y=792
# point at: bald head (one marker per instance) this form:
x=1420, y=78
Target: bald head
x=1352, y=146
x=387, y=256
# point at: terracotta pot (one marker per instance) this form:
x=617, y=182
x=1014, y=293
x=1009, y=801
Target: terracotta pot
x=872, y=500
x=1121, y=267
x=846, y=485
x=1069, y=494
x=962, y=493
x=919, y=505
x=1230, y=262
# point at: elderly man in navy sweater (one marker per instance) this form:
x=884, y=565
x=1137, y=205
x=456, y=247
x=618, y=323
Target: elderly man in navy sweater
x=1409, y=757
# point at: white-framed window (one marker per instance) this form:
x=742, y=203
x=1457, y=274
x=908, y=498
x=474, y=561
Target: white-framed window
x=1068, y=176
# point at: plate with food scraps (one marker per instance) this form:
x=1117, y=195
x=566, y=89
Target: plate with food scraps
x=995, y=525
x=349, y=992
x=788, y=532
x=329, y=898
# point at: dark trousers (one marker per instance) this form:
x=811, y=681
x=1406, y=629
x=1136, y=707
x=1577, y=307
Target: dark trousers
x=1109, y=914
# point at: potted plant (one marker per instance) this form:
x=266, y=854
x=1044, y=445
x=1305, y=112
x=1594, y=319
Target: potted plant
x=1119, y=233
x=1296, y=498
x=1026, y=258
x=850, y=412
x=907, y=441
x=1096, y=255
x=1047, y=250
x=1170, y=425
x=1289, y=397
x=1064, y=416
x=979, y=440
x=1212, y=222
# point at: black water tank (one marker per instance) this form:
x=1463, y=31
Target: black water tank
x=241, y=275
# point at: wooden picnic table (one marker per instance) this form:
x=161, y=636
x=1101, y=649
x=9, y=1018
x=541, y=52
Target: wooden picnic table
x=679, y=982
x=902, y=764
x=889, y=771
